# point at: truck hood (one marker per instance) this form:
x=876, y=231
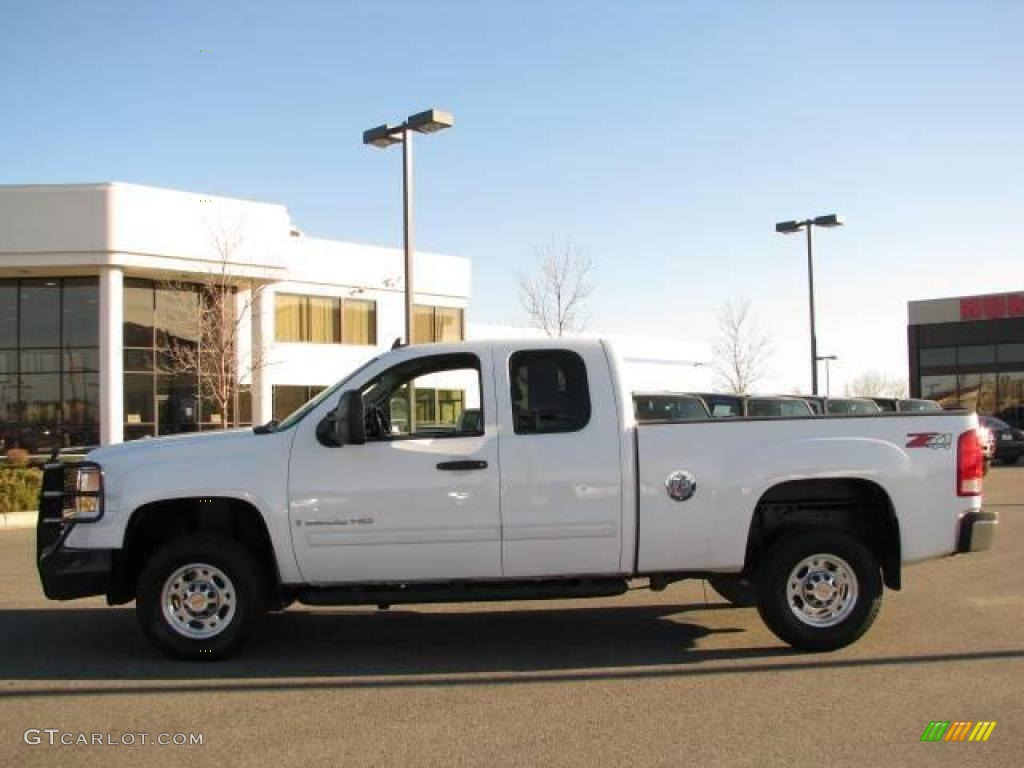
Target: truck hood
x=196, y=446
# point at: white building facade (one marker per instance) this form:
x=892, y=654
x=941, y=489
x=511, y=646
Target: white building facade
x=99, y=281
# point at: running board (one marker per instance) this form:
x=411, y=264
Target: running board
x=461, y=592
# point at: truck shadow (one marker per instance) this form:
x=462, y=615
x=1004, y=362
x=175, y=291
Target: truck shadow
x=107, y=643
x=101, y=651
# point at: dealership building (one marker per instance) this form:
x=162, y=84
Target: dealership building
x=101, y=285
x=968, y=352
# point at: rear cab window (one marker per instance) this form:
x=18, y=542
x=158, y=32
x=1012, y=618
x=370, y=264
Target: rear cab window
x=549, y=392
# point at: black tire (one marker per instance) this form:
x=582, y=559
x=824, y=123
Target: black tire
x=238, y=602
x=860, y=609
x=737, y=590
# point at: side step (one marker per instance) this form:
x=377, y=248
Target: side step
x=461, y=592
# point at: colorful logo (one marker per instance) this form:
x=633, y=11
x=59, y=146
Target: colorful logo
x=934, y=440
x=958, y=730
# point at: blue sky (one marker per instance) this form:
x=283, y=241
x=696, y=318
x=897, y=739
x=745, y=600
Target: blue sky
x=665, y=138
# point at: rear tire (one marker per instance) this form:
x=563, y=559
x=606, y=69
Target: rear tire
x=820, y=590
x=200, y=597
x=739, y=591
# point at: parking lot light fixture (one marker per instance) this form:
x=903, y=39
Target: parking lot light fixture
x=382, y=137
x=791, y=227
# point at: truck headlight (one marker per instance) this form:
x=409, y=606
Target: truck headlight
x=82, y=500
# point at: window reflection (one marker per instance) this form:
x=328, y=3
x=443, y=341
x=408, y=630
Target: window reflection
x=49, y=393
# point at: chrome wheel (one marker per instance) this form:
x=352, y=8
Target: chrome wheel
x=822, y=590
x=198, y=601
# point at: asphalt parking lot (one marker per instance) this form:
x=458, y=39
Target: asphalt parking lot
x=671, y=678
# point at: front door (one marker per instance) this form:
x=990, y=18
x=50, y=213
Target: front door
x=417, y=501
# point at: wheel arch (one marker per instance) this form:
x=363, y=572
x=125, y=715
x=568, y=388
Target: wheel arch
x=857, y=505
x=155, y=523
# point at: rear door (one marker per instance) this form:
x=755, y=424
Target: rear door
x=561, y=474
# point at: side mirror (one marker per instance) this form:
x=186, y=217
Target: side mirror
x=346, y=424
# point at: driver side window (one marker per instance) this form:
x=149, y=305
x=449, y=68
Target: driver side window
x=436, y=396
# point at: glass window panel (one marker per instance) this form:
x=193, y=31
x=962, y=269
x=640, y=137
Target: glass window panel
x=138, y=313
x=40, y=313
x=447, y=387
x=138, y=398
x=9, y=399
x=81, y=312
x=359, y=324
x=549, y=392
x=978, y=392
x=138, y=360
x=136, y=431
x=244, y=406
x=287, y=399
x=324, y=320
x=81, y=399
x=936, y=356
x=177, y=317
x=290, y=317
x=8, y=362
x=422, y=324
x=1010, y=407
x=448, y=323
x=40, y=393
x=177, y=404
x=40, y=360
x=8, y=313
x=987, y=394
x=942, y=389
x=1010, y=353
x=976, y=354
x=80, y=359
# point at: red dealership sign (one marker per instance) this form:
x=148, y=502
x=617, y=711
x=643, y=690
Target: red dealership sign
x=993, y=307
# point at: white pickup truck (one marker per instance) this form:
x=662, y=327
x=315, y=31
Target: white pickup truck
x=519, y=472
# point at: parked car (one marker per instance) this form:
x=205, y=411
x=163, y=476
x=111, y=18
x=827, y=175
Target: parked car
x=905, y=404
x=722, y=406
x=850, y=406
x=207, y=531
x=777, y=406
x=754, y=406
x=1007, y=441
x=816, y=402
x=669, y=406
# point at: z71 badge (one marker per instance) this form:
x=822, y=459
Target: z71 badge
x=934, y=440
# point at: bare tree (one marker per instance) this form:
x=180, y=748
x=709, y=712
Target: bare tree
x=742, y=349
x=216, y=354
x=554, y=297
x=874, y=384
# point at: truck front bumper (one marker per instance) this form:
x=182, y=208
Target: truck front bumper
x=977, y=530
x=65, y=572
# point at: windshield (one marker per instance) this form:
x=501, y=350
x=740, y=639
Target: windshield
x=299, y=414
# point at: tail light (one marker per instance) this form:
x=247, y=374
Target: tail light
x=970, y=464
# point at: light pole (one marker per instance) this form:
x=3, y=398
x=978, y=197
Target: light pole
x=788, y=228
x=828, y=382
x=383, y=136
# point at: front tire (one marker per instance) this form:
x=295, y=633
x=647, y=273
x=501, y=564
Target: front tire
x=200, y=597
x=820, y=590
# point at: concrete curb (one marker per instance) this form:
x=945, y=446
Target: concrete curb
x=11, y=521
